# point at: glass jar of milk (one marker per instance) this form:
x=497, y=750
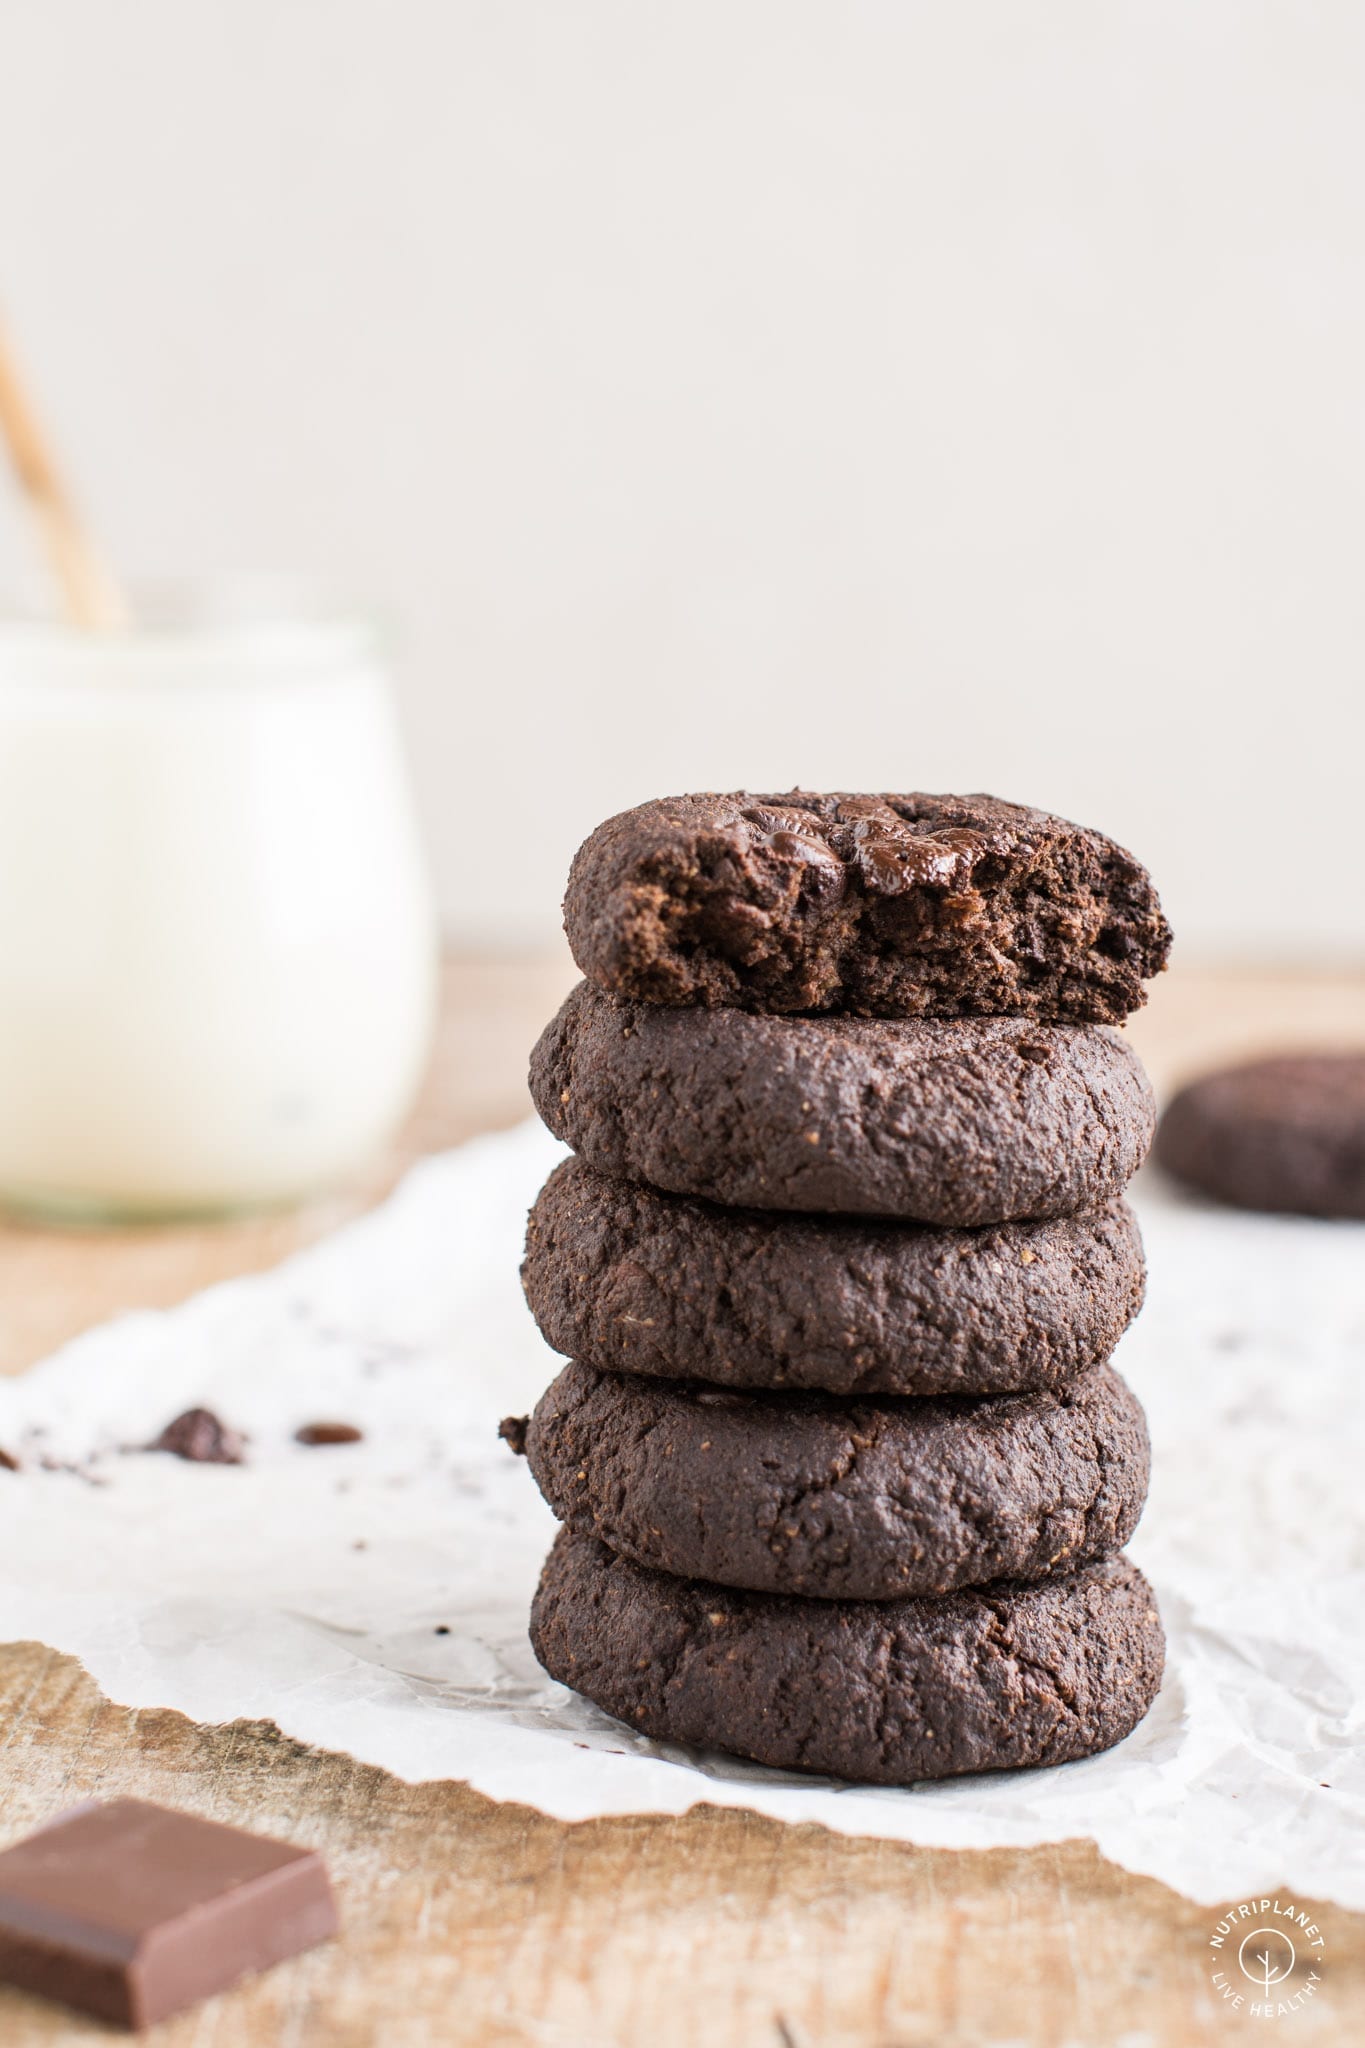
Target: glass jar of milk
x=217, y=943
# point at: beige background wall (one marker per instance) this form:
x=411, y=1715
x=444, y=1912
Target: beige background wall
x=887, y=394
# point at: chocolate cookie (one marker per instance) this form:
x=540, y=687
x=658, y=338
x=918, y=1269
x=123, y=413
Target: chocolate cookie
x=1285, y=1134
x=842, y=1500
x=987, y=1120
x=886, y=906
x=884, y=1692
x=621, y=1277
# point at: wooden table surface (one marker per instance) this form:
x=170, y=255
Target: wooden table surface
x=469, y=1922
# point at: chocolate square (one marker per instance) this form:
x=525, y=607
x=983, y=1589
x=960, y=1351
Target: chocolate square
x=132, y=1911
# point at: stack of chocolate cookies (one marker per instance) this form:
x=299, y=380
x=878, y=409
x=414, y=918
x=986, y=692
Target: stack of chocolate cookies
x=839, y=1262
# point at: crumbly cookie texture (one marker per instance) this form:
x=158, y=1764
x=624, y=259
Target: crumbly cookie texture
x=981, y=1120
x=880, y=1692
x=841, y=1500
x=890, y=906
x=1285, y=1134
x=630, y=1280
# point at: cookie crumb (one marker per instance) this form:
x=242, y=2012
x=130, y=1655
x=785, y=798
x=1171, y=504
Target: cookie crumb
x=512, y=1430
x=441, y=1629
x=201, y=1438
x=329, y=1433
x=8, y=1463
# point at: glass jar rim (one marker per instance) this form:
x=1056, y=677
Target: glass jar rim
x=283, y=620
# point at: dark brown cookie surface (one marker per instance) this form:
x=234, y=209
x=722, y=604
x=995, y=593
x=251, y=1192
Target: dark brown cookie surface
x=985, y=1120
x=622, y=1277
x=1281, y=1134
x=880, y=1692
x=842, y=1500
x=890, y=906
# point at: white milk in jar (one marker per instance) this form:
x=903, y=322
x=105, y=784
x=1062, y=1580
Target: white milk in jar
x=217, y=944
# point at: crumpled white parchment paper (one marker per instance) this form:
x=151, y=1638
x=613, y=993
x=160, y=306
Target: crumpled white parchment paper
x=372, y=1599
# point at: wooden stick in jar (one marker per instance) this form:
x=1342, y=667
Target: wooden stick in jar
x=92, y=597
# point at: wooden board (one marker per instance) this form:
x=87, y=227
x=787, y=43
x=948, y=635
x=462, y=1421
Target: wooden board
x=467, y=1922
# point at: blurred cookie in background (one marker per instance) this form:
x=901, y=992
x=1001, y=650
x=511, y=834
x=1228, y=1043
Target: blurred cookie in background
x=1285, y=1133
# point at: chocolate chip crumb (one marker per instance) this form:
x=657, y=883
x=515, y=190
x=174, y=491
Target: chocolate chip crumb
x=440, y=1629
x=512, y=1430
x=200, y=1437
x=329, y=1433
x=9, y=1464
